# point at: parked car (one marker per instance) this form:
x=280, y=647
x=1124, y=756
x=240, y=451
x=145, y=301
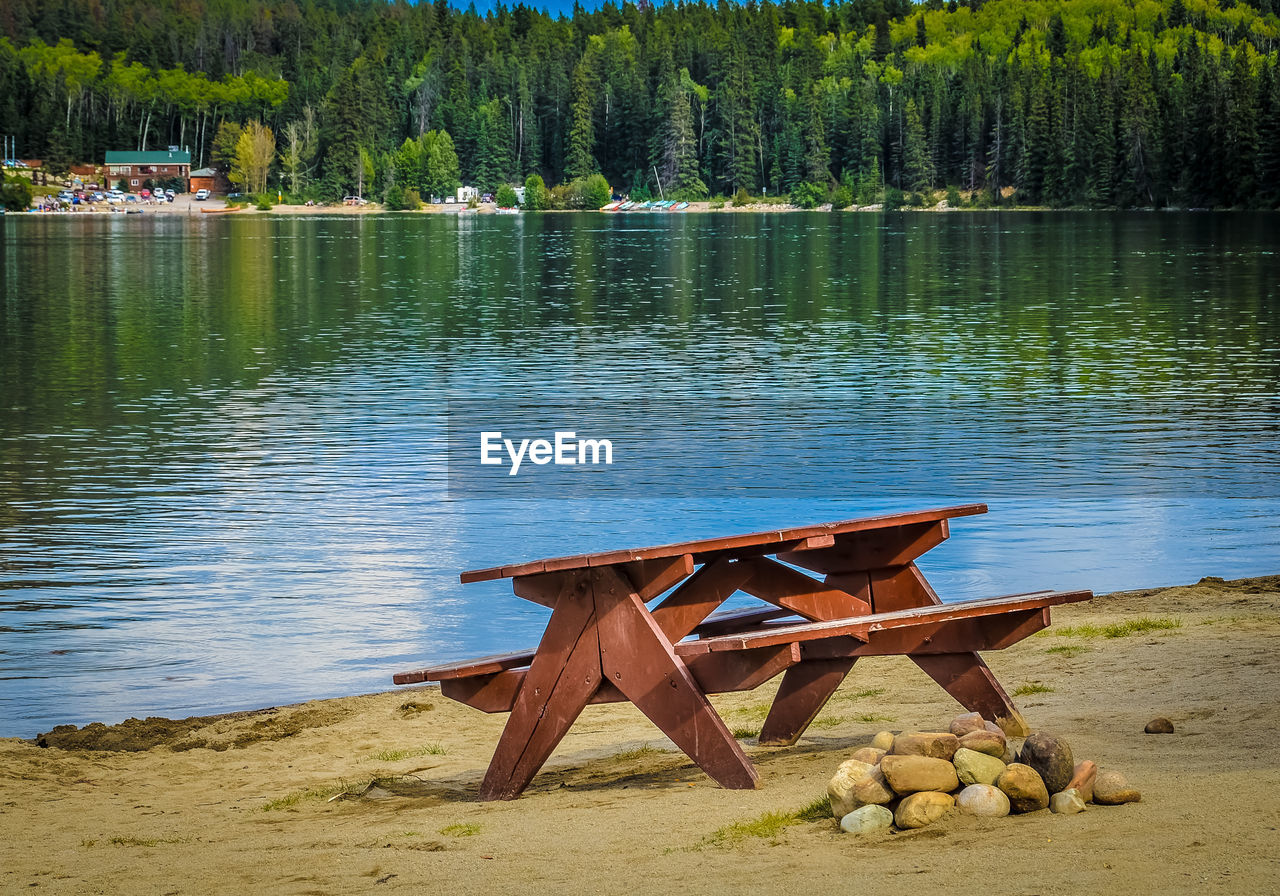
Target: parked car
x=129, y=197
x=202, y=195
x=144, y=193
x=169, y=194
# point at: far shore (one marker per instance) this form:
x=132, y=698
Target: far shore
x=377, y=793
x=187, y=205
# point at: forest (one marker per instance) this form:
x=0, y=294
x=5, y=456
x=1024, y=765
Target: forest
x=1063, y=103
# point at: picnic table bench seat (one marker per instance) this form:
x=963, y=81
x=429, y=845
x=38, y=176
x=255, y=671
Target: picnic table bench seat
x=604, y=644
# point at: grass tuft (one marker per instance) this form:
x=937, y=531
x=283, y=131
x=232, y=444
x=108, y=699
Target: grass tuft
x=869, y=692
x=1068, y=650
x=460, y=830
x=411, y=753
x=637, y=753
x=769, y=825
x=746, y=733
x=873, y=717
x=1032, y=687
x=818, y=810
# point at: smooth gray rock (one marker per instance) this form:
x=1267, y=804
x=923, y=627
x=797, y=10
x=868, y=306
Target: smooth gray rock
x=983, y=800
x=867, y=820
x=1066, y=802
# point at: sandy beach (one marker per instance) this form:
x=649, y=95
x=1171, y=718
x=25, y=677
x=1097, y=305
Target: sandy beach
x=376, y=793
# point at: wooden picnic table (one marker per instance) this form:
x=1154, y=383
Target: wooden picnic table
x=604, y=643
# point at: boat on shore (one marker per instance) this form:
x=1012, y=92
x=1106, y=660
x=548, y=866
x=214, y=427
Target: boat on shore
x=221, y=211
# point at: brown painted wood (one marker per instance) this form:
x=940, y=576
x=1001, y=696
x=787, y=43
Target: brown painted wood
x=900, y=588
x=542, y=588
x=862, y=627
x=682, y=610
x=728, y=621
x=861, y=551
x=706, y=549
x=966, y=677
x=565, y=673
x=639, y=660
x=652, y=577
x=805, y=689
x=485, y=665
x=786, y=587
x=743, y=671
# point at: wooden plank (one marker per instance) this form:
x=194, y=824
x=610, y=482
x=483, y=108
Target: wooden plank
x=728, y=621
x=966, y=677
x=652, y=577
x=686, y=607
x=565, y=673
x=876, y=549
x=721, y=673
x=485, y=665
x=861, y=627
x=639, y=660
x=805, y=689
x=786, y=587
x=712, y=546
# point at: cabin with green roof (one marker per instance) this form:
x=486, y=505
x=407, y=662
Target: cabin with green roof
x=136, y=168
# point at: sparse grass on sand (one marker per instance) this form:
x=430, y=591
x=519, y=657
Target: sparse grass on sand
x=1114, y=629
x=767, y=826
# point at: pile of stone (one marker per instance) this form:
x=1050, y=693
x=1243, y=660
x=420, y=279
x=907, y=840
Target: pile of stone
x=912, y=779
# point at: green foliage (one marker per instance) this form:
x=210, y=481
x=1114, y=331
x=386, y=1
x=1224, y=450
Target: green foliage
x=807, y=195
x=1073, y=102
x=741, y=199
x=506, y=197
x=842, y=196
x=536, y=195
x=15, y=194
x=588, y=192
x=399, y=199
x=262, y=202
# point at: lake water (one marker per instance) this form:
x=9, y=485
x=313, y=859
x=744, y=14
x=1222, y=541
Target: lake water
x=239, y=456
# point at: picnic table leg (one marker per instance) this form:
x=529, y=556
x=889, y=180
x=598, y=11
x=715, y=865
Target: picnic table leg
x=805, y=689
x=965, y=676
x=564, y=675
x=639, y=660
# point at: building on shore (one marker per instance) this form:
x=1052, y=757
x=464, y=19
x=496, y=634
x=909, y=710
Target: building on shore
x=136, y=168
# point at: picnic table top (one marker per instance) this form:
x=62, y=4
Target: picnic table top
x=708, y=548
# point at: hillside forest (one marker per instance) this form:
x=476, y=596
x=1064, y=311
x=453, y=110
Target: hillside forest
x=1089, y=103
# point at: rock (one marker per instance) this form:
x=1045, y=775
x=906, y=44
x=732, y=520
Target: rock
x=869, y=755
x=911, y=774
x=1066, y=802
x=1082, y=780
x=1111, y=789
x=1051, y=757
x=994, y=728
x=970, y=721
x=1011, y=748
x=1159, y=725
x=840, y=787
x=867, y=820
x=1024, y=787
x=973, y=767
x=883, y=741
x=935, y=744
x=874, y=789
x=924, y=808
x=990, y=742
x=983, y=800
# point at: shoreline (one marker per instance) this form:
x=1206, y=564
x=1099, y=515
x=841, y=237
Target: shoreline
x=186, y=206
x=342, y=794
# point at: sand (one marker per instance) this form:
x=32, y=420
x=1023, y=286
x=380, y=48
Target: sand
x=280, y=801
